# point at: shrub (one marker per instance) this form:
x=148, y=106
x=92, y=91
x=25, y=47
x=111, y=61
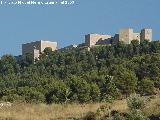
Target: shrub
x=90, y=116
x=12, y=98
x=104, y=112
x=136, y=115
x=136, y=104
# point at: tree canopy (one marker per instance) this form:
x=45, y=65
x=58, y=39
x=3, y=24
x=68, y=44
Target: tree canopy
x=80, y=75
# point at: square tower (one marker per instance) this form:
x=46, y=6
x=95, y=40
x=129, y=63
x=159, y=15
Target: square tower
x=126, y=35
x=146, y=34
x=37, y=47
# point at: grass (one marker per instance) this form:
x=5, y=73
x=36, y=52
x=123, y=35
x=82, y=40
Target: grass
x=22, y=111
x=46, y=112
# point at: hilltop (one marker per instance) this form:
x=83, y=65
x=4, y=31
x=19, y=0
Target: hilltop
x=79, y=75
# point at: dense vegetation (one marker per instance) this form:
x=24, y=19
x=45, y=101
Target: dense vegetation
x=79, y=75
x=135, y=111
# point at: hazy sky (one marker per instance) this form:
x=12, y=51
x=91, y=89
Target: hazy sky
x=68, y=24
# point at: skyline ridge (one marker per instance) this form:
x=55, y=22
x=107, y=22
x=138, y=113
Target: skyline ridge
x=68, y=24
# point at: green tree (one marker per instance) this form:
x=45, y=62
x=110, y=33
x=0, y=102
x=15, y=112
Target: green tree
x=126, y=81
x=8, y=65
x=47, y=51
x=80, y=89
x=146, y=87
x=136, y=47
x=94, y=92
x=27, y=60
x=57, y=92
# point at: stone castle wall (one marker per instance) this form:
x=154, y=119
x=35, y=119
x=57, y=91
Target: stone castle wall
x=92, y=39
x=37, y=47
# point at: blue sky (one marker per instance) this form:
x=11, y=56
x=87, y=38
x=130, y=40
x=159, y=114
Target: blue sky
x=68, y=24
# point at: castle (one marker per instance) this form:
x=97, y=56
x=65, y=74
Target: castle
x=91, y=40
x=125, y=35
x=37, y=47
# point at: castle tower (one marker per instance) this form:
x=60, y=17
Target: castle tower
x=146, y=34
x=126, y=35
x=37, y=47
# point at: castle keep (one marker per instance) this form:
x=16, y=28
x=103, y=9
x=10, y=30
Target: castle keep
x=146, y=34
x=37, y=47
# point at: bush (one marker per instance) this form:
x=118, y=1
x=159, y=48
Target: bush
x=116, y=115
x=56, y=92
x=12, y=98
x=31, y=94
x=104, y=112
x=136, y=115
x=136, y=104
x=90, y=116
